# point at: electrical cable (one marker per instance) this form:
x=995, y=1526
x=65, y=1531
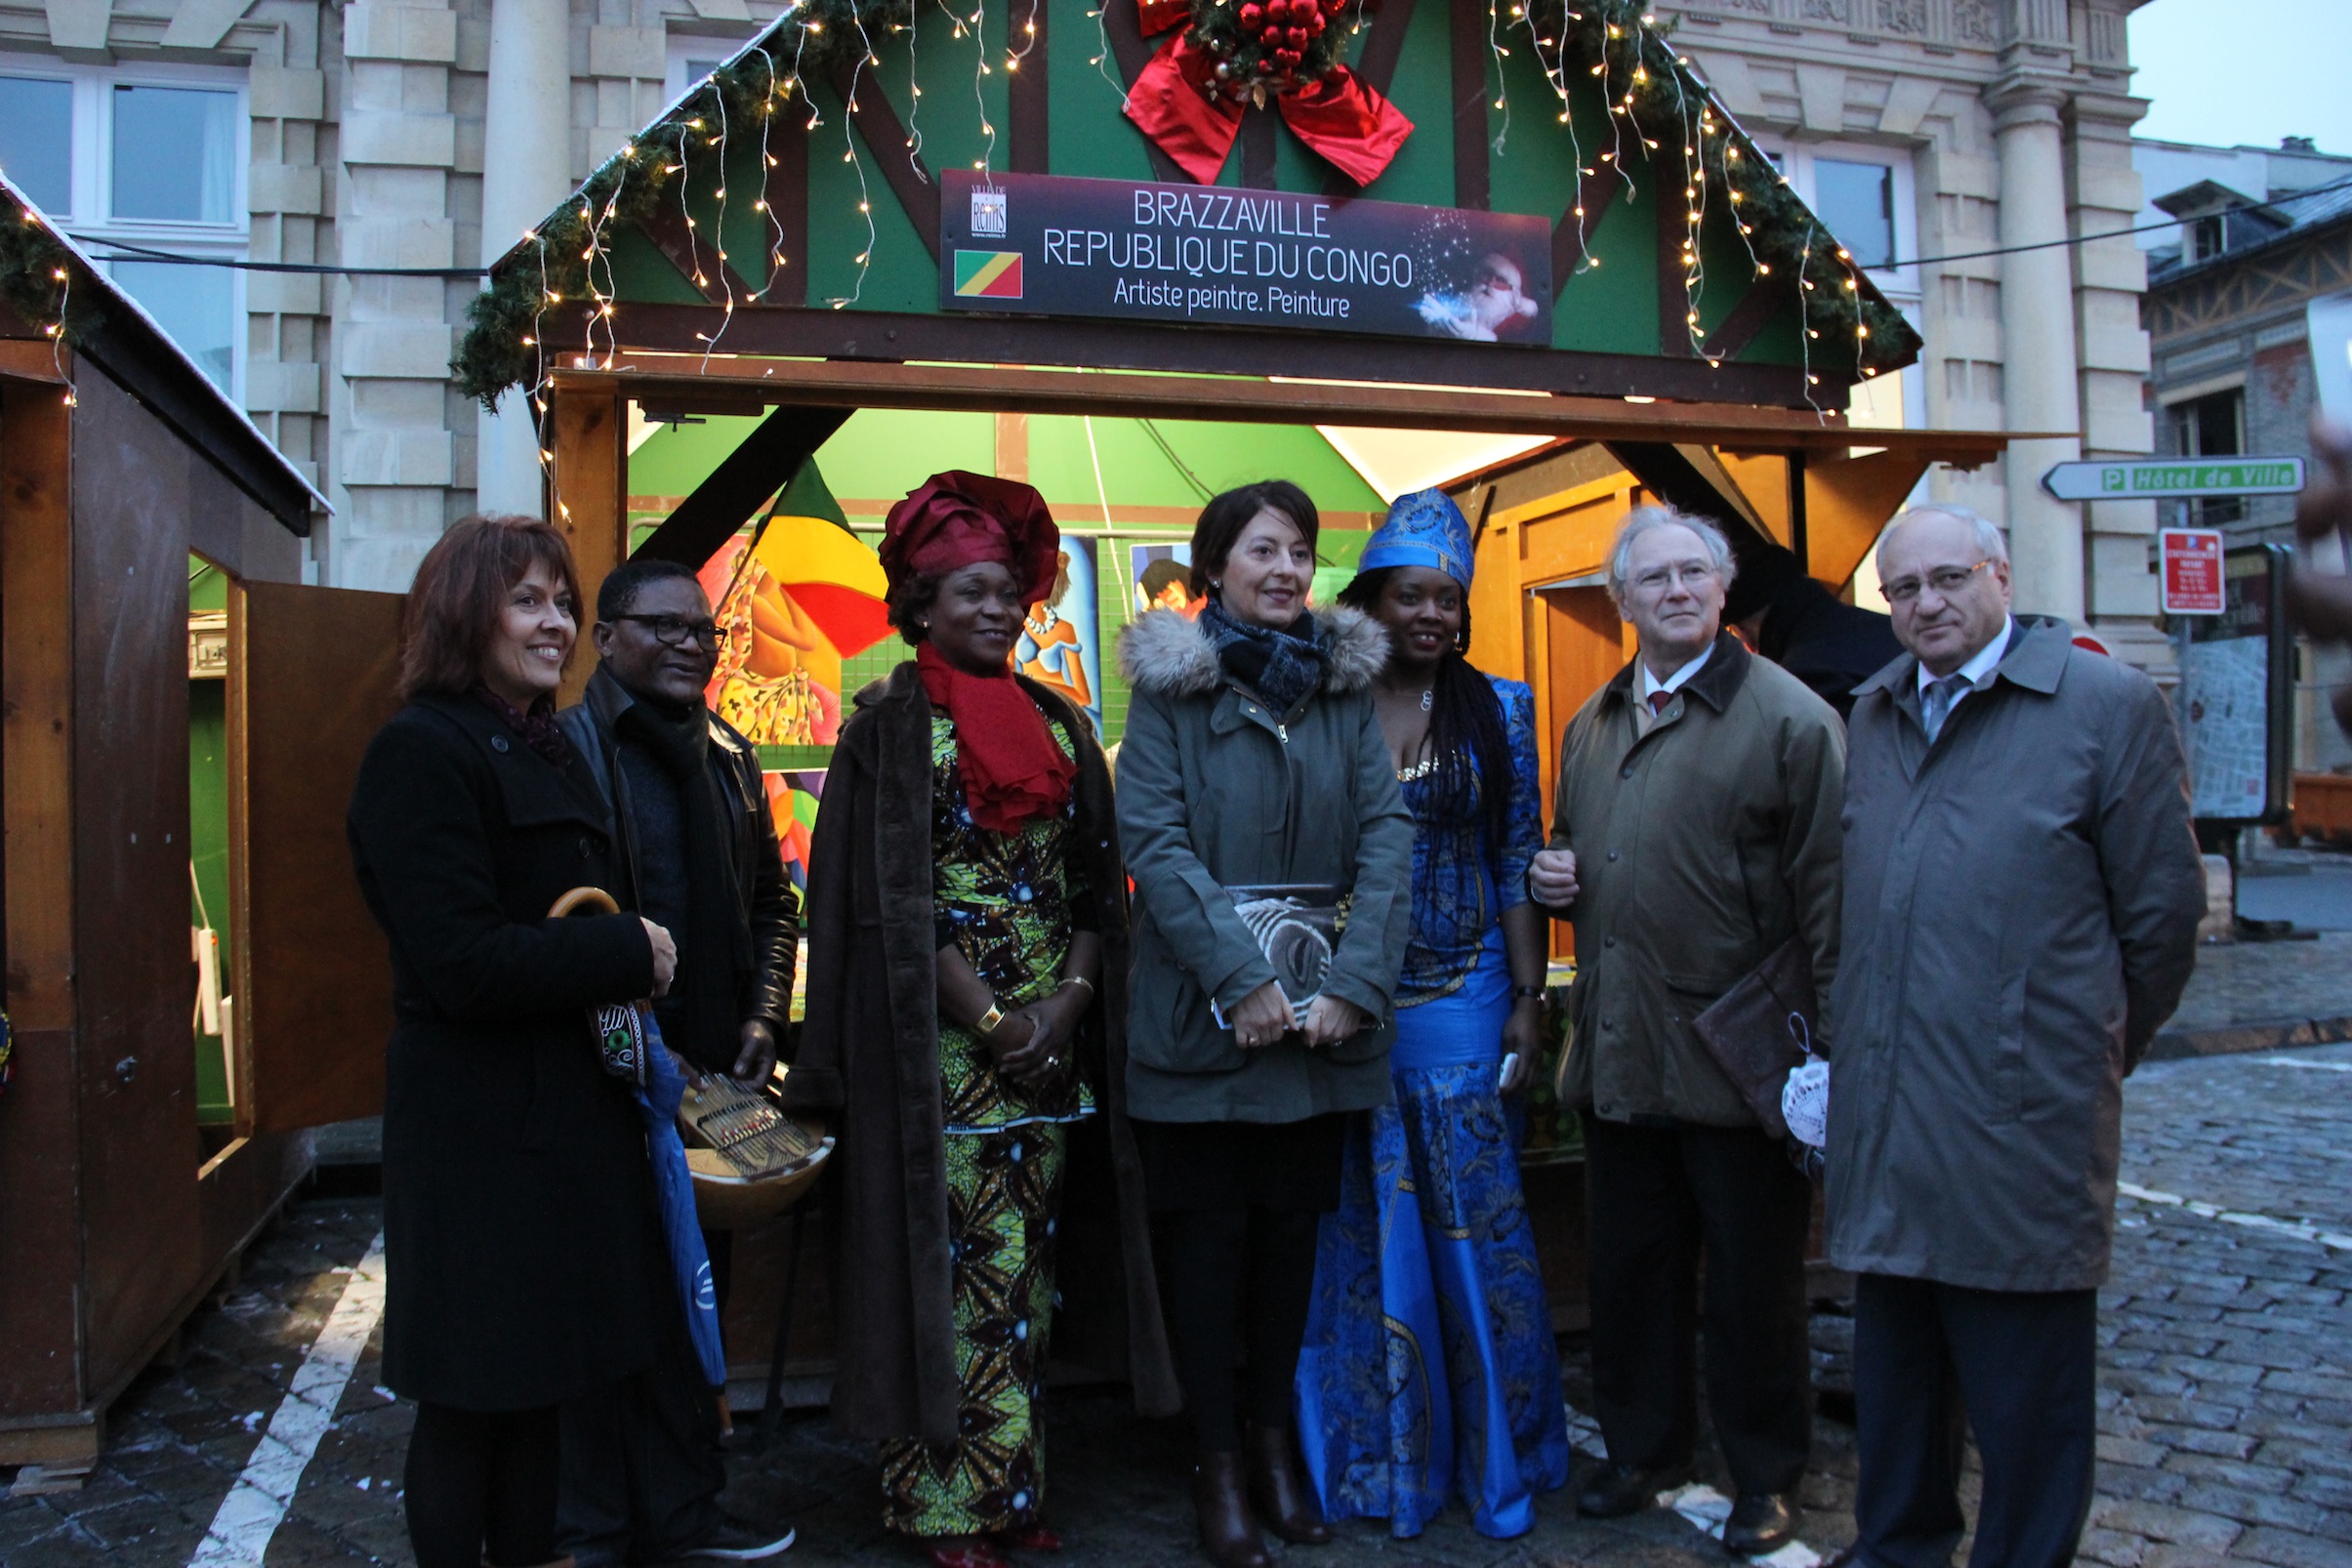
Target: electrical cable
x=147, y=253
x=171, y=259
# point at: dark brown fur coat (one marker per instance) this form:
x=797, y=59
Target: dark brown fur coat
x=869, y=1054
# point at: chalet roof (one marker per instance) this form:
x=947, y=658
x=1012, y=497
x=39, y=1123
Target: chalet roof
x=2272, y=224
x=103, y=324
x=559, y=271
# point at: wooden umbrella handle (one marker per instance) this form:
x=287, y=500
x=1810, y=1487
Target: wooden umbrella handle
x=584, y=901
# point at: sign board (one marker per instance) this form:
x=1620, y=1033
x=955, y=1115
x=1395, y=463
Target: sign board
x=2236, y=691
x=2192, y=571
x=2149, y=479
x=1052, y=245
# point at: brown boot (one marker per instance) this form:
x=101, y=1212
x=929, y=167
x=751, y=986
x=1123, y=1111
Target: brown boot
x=1228, y=1531
x=1275, y=1488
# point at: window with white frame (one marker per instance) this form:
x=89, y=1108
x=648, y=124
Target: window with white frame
x=693, y=56
x=142, y=157
x=1863, y=195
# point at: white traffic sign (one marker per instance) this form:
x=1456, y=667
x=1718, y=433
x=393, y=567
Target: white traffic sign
x=2142, y=478
x=2192, y=574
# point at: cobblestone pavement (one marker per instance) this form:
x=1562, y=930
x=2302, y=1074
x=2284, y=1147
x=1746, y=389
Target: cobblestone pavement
x=2225, y=1404
x=2243, y=986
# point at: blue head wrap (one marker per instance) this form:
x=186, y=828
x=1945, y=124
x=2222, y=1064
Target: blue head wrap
x=1422, y=530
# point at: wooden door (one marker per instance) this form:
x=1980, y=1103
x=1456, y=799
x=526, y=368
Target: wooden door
x=1584, y=645
x=312, y=675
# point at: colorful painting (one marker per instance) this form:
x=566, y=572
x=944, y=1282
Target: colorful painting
x=1061, y=644
x=796, y=597
x=1161, y=575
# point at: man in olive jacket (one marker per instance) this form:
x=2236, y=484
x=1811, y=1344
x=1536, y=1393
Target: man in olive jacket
x=2022, y=893
x=1694, y=833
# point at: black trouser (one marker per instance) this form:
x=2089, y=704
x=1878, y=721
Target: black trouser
x=643, y=1461
x=481, y=1487
x=1655, y=1197
x=2021, y=1368
x=1251, y=1267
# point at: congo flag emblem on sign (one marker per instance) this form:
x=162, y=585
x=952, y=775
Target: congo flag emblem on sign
x=988, y=274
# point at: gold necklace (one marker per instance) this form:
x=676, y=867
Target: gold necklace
x=1418, y=770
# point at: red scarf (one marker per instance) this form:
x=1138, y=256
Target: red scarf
x=1015, y=773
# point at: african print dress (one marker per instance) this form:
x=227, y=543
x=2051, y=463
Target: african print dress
x=1009, y=902
x=1428, y=1367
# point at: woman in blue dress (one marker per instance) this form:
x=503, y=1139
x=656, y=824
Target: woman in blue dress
x=1429, y=1368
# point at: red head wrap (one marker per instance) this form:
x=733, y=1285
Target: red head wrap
x=1013, y=770
x=956, y=518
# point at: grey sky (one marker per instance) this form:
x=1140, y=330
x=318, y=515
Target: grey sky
x=2244, y=71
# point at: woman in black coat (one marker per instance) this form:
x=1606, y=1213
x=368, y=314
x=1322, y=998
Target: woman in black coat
x=523, y=1249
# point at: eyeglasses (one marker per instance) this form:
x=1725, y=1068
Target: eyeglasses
x=672, y=630
x=1690, y=574
x=1945, y=580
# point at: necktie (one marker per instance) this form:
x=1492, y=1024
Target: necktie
x=1658, y=701
x=1941, y=695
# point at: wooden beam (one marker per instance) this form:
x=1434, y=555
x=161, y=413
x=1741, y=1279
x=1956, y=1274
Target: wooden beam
x=786, y=193
x=1763, y=300
x=742, y=482
x=589, y=432
x=1133, y=52
x=1848, y=502
x=696, y=258
x=1028, y=90
x=1673, y=285
x=1594, y=194
x=36, y=675
x=989, y=388
x=902, y=169
x=1466, y=23
x=1029, y=340
x=1258, y=147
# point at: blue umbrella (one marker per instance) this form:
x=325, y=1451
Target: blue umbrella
x=657, y=1100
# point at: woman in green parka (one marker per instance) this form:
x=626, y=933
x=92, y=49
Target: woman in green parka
x=1271, y=850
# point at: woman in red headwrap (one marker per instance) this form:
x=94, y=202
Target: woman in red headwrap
x=967, y=1009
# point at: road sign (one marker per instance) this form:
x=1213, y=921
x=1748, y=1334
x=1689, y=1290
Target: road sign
x=2145, y=478
x=2192, y=574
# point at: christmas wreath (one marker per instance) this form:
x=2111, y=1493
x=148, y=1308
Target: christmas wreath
x=1233, y=55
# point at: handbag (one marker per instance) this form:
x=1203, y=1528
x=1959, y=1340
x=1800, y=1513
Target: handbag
x=1762, y=1030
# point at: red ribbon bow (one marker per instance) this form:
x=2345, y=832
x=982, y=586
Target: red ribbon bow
x=1176, y=103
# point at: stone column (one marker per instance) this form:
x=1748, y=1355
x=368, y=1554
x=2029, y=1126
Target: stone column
x=2037, y=346
x=393, y=456
x=526, y=170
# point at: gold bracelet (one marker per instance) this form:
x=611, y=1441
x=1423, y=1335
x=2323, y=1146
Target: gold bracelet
x=987, y=1022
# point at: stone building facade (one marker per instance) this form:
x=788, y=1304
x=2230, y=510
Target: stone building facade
x=1956, y=125
x=2008, y=123
x=2242, y=317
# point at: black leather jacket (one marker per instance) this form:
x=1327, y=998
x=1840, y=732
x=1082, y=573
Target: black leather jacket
x=770, y=908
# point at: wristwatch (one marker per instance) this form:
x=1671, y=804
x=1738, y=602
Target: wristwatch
x=1533, y=993
x=987, y=1022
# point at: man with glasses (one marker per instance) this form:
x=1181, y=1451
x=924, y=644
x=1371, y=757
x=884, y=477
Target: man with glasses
x=2022, y=893
x=642, y=1462
x=1693, y=834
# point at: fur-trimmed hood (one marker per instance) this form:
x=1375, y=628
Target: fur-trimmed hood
x=1167, y=652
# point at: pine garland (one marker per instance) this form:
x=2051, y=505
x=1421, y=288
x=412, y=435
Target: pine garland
x=30, y=260
x=553, y=271
x=1848, y=321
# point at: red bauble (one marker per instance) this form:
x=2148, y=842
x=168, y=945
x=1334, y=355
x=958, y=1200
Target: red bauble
x=1253, y=17
x=1298, y=39
x=1314, y=24
x=1271, y=38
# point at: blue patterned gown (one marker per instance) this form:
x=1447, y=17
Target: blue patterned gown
x=1428, y=1367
